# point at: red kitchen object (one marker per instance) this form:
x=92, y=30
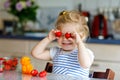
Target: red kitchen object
x=58, y=34
x=42, y=73
x=99, y=26
x=34, y=72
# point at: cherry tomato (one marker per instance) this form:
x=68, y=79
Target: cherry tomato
x=58, y=34
x=7, y=67
x=42, y=74
x=68, y=35
x=34, y=72
x=15, y=59
x=14, y=63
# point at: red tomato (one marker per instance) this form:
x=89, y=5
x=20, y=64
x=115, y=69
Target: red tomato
x=58, y=34
x=42, y=74
x=15, y=59
x=68, y=35
x=7, y=67
x=9, y=62
x=34, y=72
x=14, y=63
x=13, y=68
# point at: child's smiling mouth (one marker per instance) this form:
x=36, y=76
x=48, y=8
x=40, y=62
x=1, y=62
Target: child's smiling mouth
x=67, y=43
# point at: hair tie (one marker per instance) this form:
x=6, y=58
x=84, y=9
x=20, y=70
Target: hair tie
x=63, y=13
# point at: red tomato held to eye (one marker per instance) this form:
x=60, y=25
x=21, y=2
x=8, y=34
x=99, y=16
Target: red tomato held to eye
x=42, y=74
x=58, y=34
x=34, y=72
x=68, y=35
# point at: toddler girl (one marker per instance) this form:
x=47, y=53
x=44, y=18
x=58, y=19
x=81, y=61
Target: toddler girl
x=72, y=57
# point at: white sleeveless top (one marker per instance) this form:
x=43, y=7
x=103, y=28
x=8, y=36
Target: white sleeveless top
x=67, y=63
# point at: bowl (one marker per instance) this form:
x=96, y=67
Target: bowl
x=10, y=63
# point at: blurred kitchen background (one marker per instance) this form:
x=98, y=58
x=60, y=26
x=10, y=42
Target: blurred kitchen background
x=22, y=27
x=103, y=17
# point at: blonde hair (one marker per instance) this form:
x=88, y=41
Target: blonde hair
x=73, y=17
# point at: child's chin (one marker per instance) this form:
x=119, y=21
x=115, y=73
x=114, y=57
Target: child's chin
x=67, y=49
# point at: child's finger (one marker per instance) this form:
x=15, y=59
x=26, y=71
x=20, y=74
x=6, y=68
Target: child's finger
x=80, y=35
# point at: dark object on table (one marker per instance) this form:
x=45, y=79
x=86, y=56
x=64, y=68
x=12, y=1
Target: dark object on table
x=49, y=67
x=109, y=74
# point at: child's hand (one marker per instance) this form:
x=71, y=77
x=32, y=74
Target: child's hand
x=51, y=35
x=54, y=34
x=77, y=38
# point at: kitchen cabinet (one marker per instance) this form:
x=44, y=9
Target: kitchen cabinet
x=109, y=52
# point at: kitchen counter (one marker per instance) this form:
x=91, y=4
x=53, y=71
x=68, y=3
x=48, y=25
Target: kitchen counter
x=22, y=37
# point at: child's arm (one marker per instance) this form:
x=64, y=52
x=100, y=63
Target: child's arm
x=84, y=55
x=39, y=51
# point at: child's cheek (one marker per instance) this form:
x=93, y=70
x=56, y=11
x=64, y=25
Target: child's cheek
x=59, y=40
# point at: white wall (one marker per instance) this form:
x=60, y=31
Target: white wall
x=55, y=3
x=73, y=4
x=90, y=5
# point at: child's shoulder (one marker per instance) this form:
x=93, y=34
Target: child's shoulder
x=54, y=50
x=91, y=53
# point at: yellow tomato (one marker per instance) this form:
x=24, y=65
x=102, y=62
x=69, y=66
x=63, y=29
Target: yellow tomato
x=27, y=68
x=24, y=69
x=25, y=60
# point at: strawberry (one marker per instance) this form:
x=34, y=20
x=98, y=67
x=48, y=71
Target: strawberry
x=58, y=34
x=42, y=73
x=68, y=35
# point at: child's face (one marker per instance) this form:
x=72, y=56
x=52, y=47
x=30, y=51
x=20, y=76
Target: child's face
x=67, y=44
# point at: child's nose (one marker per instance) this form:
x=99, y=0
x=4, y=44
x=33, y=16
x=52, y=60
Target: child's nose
x=64, y=38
